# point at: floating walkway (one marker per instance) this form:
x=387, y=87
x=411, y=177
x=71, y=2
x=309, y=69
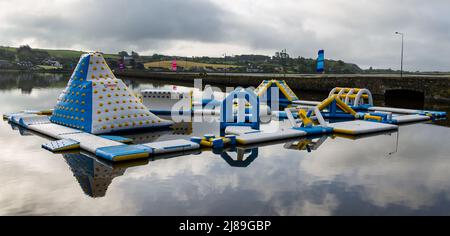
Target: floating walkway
x=103, y=146
x=252, y=136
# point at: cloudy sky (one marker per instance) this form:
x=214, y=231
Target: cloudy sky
x=360, y=31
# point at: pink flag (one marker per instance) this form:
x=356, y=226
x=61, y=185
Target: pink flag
x=174, y=65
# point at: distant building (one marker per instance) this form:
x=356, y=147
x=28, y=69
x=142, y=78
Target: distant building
x=251, y=68
x=50, y=62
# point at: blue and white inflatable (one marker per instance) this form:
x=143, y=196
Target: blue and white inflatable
x=95, y=101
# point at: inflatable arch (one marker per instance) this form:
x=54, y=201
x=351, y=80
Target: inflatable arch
x=355, y=97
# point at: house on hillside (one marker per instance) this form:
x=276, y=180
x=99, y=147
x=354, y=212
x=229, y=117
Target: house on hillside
x=50, y=62
x=253, y=68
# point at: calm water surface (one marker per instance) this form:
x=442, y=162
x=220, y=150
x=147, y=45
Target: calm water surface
x=400, y=173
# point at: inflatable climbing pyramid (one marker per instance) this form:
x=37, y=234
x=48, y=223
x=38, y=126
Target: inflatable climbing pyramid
x=95, y=101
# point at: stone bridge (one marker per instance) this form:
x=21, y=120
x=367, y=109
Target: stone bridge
x=432, y=88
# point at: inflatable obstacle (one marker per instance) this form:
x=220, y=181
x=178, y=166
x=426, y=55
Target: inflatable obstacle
x=209, y=98
x=402, y=111
x=338, y=109
x=96, y=102
x=282, y=92
x=107, y=147
x=246, y=113
x=357, y=98
x=361, y=100
x=258, y=136
x=167, y=102
x=246, y=127
x=264, y=110
x=357, y=127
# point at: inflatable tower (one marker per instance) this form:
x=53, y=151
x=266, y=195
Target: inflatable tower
x=95, y=101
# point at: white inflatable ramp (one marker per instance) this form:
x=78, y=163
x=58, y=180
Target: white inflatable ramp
x=61, y=145
x=53, y=130
x=123, y=152
x=395, y=110
x=90, y=142
x=167, y=102
x=410, y=118
x=171, y=146
x=257, y=136
x=433, y=114
x=357, y=127
x=240, y=130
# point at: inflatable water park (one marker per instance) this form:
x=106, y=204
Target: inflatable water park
x=96, y=109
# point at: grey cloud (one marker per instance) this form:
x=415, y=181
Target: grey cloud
x=121, y=23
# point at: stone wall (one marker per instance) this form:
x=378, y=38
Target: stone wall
x=434, y=88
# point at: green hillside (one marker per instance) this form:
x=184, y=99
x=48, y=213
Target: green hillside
x=28, y=58
x=67, y=58
x=60, y=53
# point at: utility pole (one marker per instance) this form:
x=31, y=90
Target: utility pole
x=284, y=60
x=401, y=63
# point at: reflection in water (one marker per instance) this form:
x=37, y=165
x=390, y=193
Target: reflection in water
x=241, y=159
x=93, y=176
x=308, y=144
x=27, y=81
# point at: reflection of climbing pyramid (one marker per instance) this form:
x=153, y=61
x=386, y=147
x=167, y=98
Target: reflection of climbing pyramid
x=96, y=102
x=93, y=177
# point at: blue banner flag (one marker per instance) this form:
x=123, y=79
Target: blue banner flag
x=321, y=61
